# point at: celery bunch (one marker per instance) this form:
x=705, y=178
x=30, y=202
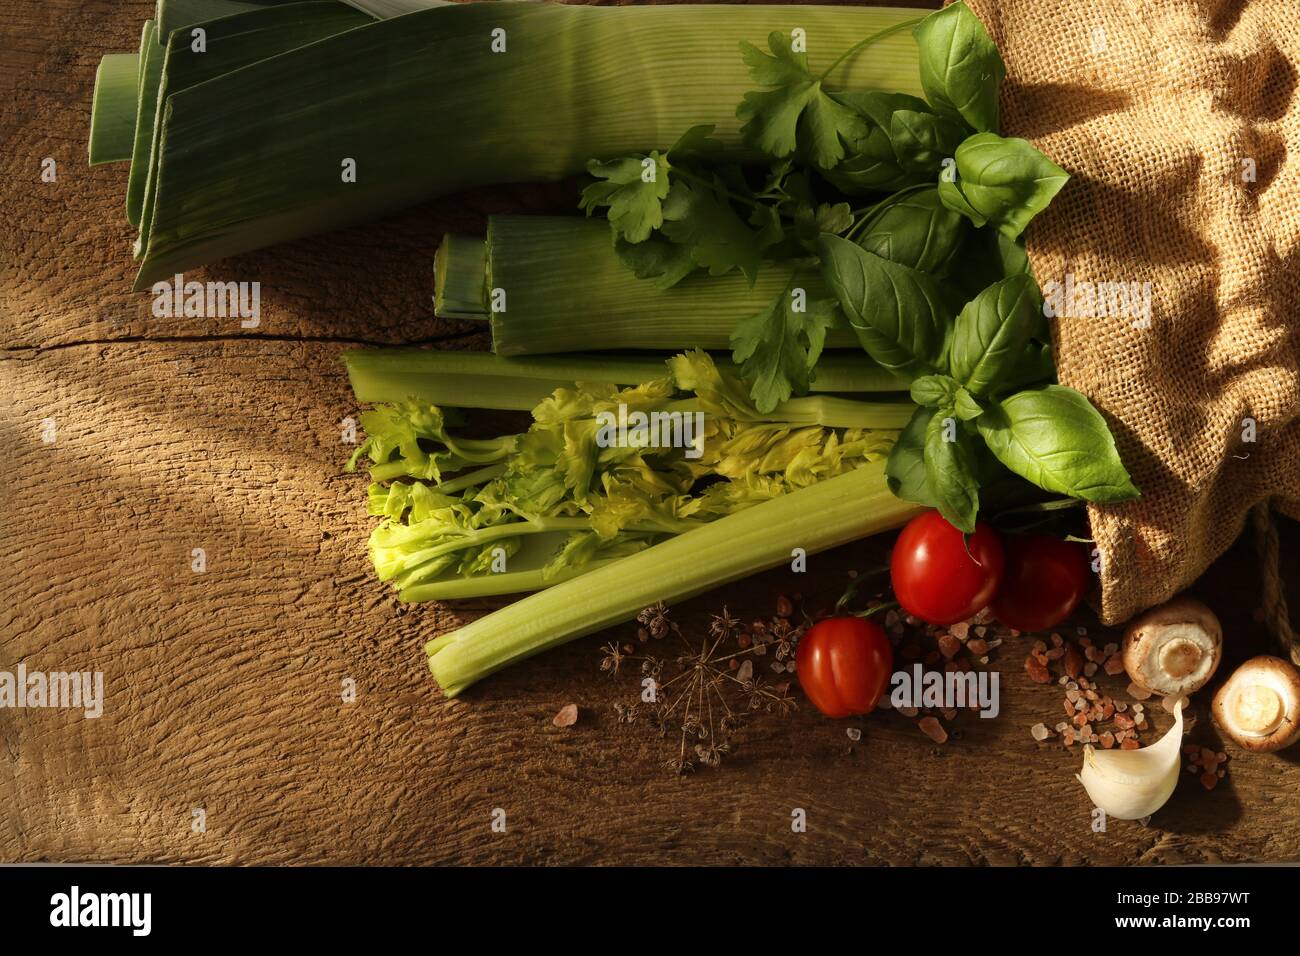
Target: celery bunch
x=530, y=509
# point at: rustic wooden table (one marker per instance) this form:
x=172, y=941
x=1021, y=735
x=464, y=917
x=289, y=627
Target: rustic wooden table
x=223, y=689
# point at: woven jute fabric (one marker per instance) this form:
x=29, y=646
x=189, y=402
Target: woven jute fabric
x=1179, y=122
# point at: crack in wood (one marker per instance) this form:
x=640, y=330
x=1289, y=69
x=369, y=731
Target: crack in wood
x=12, y=350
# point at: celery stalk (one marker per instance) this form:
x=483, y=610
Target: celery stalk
x=484, y=380
x=507, y=385
x=832, y=412
x=825, y=515
x=456, y=588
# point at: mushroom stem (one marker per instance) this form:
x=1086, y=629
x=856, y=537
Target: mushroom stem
x=1259, y=705
x=1173, y=649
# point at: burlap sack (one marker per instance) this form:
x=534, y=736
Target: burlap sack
x=1174, y=118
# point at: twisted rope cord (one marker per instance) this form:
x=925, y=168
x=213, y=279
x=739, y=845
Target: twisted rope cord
x=1276, y=616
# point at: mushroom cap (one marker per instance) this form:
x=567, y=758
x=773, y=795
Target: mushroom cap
x=1173, y=649
x=1258, y=706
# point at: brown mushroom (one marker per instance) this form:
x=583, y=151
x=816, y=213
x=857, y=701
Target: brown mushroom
x=1173, y=649
x=1259, y=705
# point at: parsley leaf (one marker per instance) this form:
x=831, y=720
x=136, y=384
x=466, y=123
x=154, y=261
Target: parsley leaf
x=634, y=188
x=657, y=258
x=777, y=348
x=717, y=239
x=811, y=221
x=798, y=112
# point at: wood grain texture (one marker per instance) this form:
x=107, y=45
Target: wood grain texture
x=224, y=688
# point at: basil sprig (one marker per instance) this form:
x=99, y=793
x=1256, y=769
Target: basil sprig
x=972, y=389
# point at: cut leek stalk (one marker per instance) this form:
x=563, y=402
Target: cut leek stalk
x=555, y=284
x=151, y=57
x=825, y=515
x=484, y=380
x=229, y=43
x=421, y=105
x=175, y=15
x=384, y=9
x=112, y=111
x=460, y=277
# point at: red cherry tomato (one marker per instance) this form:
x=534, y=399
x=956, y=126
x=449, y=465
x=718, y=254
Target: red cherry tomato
x=1044, y=581
x=935, y=578
x=844, y=664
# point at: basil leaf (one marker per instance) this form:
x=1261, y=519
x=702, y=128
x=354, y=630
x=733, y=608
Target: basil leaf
x=922, y=140
x=950, y=470
x=992, y=333
x=961, y=71
x=872, y=168
x=1054, y=438
x=986, y=257
x=1005, y=181
x=896, y=312
x=967, y=406
x=905, y=470
x=934, y=391
x=952, y=197
x=871, y=164
x=1035, y=367
x=916, y=230
x=878, y=108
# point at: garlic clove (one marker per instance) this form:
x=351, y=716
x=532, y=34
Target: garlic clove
x=1131, y=784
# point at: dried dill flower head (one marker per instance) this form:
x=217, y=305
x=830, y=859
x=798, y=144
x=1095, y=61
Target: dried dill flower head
x=705, y=694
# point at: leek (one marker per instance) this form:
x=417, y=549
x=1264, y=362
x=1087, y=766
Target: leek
x=175, y=15
x=483, y=380
x=230, y=43
x=825, y=515
x=112, y=111
x=151, y=57
x=422, y=105
x=555, y=284
x=384, y=9
x=460, y=277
